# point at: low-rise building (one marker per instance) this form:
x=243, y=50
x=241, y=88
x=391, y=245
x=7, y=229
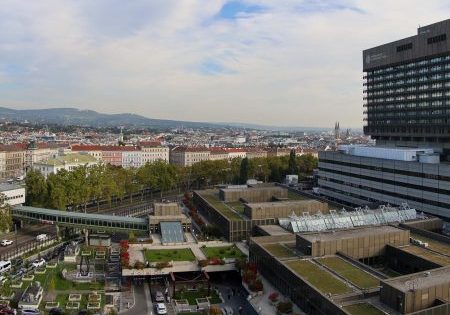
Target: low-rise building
x=187, y=156
x=13, y=194
x=153, y=151
x=67, y=162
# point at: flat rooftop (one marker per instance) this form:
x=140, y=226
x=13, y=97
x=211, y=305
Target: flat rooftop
x=283, y=203
x=351, y=233
x=253, y=188
x=428, y=255
x=421, y=280
x=273, y=229
x=6, y=186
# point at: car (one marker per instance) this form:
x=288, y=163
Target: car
x=41, y=237
x=30, y=311
x=159, y=297
x=38, y=263
x=6, y=242
x=161, y=309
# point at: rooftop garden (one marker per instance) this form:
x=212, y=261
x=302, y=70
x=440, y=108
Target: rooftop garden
x=353, y=274
x=433, y=244
x=279, y=250
x=192, y=295
x=426, y=254
x=222, y=252
x=321, y=279
x=237, y=206
x=220, y=206
x=362, y=309
x=294, y=196
x=161, y=255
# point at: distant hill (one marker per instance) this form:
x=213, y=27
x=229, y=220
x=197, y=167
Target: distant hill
x=74, y=116
x=78, y=117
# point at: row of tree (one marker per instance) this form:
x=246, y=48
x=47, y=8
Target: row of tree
x=85, y=185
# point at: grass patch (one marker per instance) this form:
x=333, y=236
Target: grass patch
x=319, y=278
x=221, y=207
x=351, y=273
x=237, y=206
x=190, y=296
x=294, y=196
x=426, y=254
x=222, y=252
x=279, y=250
x=160, y=255
x=363, y=309
x=433, y=244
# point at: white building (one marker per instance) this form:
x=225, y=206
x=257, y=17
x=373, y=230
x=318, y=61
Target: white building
x=67, y=162
x=13, y=194
x=132, y=159
x=153, y=151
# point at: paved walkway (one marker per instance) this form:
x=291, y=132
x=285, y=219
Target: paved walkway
x=261, y=303
x=141, y=304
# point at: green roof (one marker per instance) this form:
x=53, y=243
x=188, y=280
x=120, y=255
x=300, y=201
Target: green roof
x=71, y=159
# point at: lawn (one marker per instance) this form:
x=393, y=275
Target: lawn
x=236, y=205
x=221, y=207
x=160, y=255
x=222, y=252
x=294, y=196
x=426, y=254
x=279, y=250
x=62, y=284
x=64, y=298
x=190, y=296
x=363, y=309
x=321, y=279
x=346, y=270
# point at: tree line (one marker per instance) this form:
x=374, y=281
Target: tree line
x=85, y=185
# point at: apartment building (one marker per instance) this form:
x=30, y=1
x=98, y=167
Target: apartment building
x=153, y=151
x=187, y=156
x=14, y=160
x=234, y=153
x=67, y=162
x=218, y=153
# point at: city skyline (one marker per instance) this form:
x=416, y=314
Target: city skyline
x=238, y=61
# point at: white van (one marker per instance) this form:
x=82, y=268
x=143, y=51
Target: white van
x=41, y=237
x=5, y=265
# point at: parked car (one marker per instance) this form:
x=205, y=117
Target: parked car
x=30, y=311
x=41, y=237
x=6, y=242
x=161, y=309
x=38, y=263
x=159, y=297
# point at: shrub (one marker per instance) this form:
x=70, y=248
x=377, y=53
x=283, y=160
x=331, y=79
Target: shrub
x=284, y=307
x=203, y=263
x=274, y=296
x=139, y=265
x=163, y=264
x=256, y=286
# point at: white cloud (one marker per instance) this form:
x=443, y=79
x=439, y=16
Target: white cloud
x=295, y=63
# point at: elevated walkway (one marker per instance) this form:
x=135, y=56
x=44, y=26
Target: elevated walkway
x=80, y=220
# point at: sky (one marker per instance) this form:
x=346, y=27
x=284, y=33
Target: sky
x=273, y=62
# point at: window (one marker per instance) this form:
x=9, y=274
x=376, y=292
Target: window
x=404, y=47
x=437, y=39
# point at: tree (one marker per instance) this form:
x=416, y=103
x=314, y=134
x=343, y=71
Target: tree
x=292, y=166
x=6, y=290
x=5, y=214
x=243, y=174
x=36, y=188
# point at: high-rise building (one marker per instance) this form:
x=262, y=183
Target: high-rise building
x=407, y=90
x=407, y=107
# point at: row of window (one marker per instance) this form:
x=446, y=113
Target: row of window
x=389, y=170
x=409, y=73
x=409, y=81
x=384, y=192
x=387, y=181
x=409, y=65
x=406, y=106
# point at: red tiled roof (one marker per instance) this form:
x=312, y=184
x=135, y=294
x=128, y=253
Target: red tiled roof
x=150, y=144
x=190, y=149
x=103, y=148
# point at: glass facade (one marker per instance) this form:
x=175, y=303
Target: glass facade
x=409, y=101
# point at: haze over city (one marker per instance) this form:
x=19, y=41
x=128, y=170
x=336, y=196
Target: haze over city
x=267, y=62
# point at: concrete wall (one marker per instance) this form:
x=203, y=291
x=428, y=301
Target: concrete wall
x=370, y=245
x=170, y=208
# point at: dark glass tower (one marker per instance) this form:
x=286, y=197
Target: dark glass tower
x=407, y=90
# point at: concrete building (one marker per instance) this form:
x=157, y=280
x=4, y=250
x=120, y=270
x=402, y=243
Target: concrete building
x=407, y=99
x=404, y=175
x=13, y=194
x=14, y=160
x=153, y=151
x=187, y=156
x=67, y=162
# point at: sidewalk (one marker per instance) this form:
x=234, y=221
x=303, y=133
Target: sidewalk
x=261, y=302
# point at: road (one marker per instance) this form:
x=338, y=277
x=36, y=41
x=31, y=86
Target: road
x=25, y=234
x=141, y=305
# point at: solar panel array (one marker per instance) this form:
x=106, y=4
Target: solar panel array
x=171, y=232
x=348, y=219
